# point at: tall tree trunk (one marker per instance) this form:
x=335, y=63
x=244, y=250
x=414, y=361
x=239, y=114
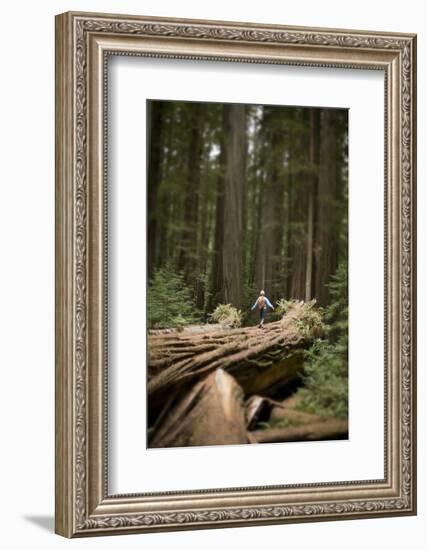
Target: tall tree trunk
x=299, y=210
x=271, y=206
x=202, y=253
x=155, y=113
x=309, y=270
x=164, y=243
x=187, y=255
x=231, y=207
x=217, y=284
x=264, y=268
x=303, y=208
x=326, y=225
x=312, y=189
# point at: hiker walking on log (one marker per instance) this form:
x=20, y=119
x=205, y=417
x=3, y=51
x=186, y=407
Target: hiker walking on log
x=262, y=302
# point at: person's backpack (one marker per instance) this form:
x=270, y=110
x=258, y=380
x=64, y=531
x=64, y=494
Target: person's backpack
x=261, y=302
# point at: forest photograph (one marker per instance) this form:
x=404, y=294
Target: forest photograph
x=247, y=270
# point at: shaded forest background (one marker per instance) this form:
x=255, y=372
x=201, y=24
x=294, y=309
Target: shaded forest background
x=243, y=198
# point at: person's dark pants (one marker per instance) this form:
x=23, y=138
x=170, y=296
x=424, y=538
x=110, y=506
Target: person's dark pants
x=262, y=315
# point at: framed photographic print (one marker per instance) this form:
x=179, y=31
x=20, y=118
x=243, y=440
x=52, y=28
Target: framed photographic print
x=235, y=274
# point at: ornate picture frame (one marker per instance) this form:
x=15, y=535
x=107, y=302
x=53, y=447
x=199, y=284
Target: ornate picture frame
x=84, y=42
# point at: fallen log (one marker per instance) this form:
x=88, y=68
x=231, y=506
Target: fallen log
x=211, y=413
x=316, y=431
x=296, y=417
x=265, y=409
x=193, y=329
x=261, y=360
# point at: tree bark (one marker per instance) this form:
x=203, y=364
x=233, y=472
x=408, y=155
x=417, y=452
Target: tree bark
x=228, y=253
x=217, y=283
x=211, y=413
x=309, y=269
x=299, y=211
x=188, y=241
x=268, y=274
x=233, y=205
x=312, y=190
x=155, y=114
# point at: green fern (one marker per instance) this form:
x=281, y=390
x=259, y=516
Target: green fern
x=170, y=302
x=325, y=390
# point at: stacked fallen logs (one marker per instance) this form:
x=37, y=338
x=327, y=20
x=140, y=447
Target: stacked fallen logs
x=198, y=380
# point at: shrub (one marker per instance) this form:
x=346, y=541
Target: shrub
x=282, y=306
x=325, y=390
x=227, y=316
x=311, y=321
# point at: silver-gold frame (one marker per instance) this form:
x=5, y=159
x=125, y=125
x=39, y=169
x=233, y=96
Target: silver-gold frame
x=84, y=42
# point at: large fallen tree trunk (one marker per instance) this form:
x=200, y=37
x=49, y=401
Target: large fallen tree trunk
x=211, y=413
x=325, y=429
x=262, y=360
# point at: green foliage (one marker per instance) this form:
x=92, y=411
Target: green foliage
x=227, y=316
x=325, y=390
x=282, y=306
x=311, y=321
x=170, y=303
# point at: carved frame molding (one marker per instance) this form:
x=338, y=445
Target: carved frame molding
x=83, y=44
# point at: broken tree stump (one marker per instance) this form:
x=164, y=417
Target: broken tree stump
x=261, y=360
x=258, y=409
x=211, y=413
